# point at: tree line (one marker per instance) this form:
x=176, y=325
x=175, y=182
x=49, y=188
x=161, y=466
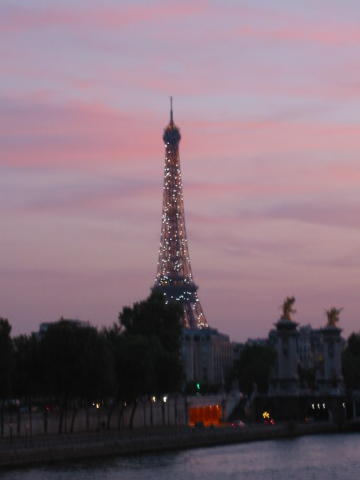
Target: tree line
x=72, y=365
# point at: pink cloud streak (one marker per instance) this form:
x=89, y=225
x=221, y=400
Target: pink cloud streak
x=82, y=135
x=300, y=31
x=17, y=18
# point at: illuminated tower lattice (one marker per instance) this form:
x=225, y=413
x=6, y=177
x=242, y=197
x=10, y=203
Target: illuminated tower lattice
x=174, y=277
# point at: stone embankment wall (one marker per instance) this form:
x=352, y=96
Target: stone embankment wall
x=50, y=448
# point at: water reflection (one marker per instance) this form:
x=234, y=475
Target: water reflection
x=321, y=457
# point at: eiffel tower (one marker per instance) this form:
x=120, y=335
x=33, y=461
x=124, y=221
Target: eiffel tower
x=174, y=277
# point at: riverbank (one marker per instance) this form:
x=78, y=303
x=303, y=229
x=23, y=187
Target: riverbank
x=45, y=449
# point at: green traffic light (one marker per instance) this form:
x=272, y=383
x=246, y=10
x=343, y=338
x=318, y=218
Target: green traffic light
x=198, y=386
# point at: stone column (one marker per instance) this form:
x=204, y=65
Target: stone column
x=285, y=379
x=330, y=380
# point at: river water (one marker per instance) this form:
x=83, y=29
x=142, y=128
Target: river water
x=320, y=457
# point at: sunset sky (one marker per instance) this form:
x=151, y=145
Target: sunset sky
x=267, y=98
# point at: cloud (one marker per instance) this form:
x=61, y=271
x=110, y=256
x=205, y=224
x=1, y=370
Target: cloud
x=37, y=132
x=87, y=196
x=75, y=136
x=300, y=31
x=320, y=212
x=267, y=102
x=21, y=18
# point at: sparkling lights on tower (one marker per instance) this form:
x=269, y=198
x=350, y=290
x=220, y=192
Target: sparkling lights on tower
x=174, y=277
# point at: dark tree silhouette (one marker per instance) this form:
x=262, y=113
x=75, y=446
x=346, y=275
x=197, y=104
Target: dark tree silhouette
x=6, y=367
x=254, y=366
x=148, y=359
x=27, y=381
x=27, y=373
x=72, y=365
x=351, y=362
x=76, y=366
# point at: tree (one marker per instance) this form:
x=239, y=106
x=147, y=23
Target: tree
x=148, y=356
x=160, y=323
x=76, y=366
x=6, y=366
x=155, y=318
x=6, y=358
x=27, y=380
x=27, y=371
x=254, y=366
x=351, y=362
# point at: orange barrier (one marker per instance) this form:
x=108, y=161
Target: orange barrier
x=207, y=415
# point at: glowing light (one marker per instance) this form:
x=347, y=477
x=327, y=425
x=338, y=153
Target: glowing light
x=174, y=268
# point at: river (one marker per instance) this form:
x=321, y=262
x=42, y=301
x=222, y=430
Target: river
x=320, y=457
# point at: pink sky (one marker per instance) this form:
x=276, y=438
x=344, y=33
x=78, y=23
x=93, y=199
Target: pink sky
x=267, y=97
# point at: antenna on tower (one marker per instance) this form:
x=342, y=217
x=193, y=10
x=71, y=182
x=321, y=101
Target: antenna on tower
x=171, y=111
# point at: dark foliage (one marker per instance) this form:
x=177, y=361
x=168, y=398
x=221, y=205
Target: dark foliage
x=254, y=367
x=351, y=362
x=75, y=362
x=28, y=366
x=71, y=365
x=152, y=330
x=6, y=359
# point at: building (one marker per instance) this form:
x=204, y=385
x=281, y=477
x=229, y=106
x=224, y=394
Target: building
x=208, y=356
x=308, y=360
x=306, y=380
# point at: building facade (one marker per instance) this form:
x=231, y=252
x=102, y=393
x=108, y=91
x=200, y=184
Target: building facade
x=207, y=355
x=308, y=359
x=306, y=381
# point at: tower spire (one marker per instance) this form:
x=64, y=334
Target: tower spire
x=171, y=111
x=174, y=276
